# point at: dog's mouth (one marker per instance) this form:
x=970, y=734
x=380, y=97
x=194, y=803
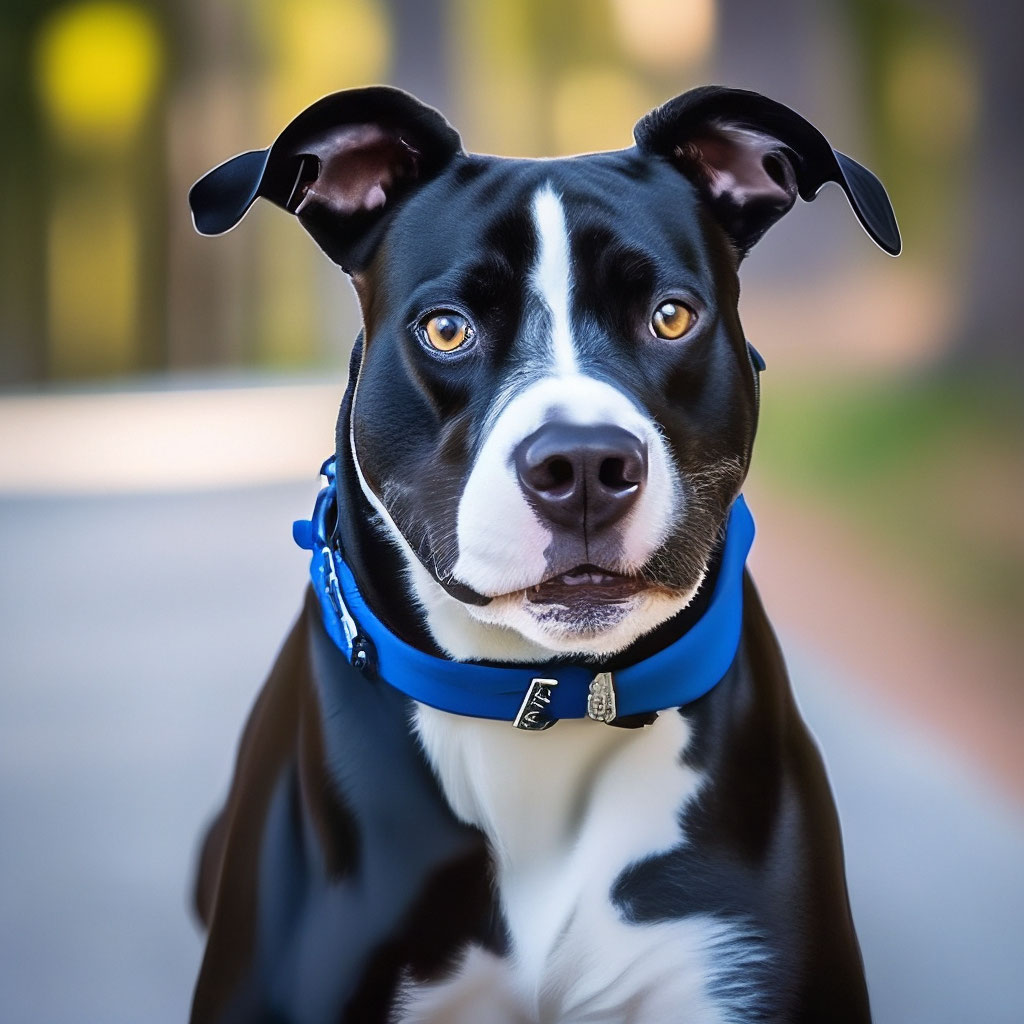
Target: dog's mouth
x=586, y=584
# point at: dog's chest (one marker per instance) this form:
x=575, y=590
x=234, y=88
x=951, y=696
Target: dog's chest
x=566, y=811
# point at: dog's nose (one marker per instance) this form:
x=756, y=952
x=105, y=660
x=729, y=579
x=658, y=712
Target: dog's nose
x=581, y=477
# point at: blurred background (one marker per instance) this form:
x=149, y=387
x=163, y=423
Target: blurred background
x=165, y=401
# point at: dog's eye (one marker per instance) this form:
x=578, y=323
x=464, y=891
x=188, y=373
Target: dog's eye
x=446, y=331
x=671, y=320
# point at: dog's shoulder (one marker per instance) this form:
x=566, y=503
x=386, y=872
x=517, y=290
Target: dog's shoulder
x=336, y=846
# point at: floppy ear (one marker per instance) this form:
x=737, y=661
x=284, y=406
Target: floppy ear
x=341, y=167
x=750, y=157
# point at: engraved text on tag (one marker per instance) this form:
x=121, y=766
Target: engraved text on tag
x=533, y=714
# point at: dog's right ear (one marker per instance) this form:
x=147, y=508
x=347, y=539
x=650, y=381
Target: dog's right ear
x=342, y=166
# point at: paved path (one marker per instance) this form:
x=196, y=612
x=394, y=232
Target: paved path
x=135, y=632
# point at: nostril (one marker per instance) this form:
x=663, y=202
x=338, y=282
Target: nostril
x=559, y=473
x=614, y=475
x=554, y=476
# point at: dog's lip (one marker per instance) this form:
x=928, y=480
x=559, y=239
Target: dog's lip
x=587, y=583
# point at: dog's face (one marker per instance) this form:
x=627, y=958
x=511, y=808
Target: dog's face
x=555, y=405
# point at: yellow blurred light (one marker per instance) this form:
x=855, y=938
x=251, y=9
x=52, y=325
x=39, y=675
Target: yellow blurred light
x=92, y=282
x=665, y=35
x=497, y=89
x=594, y=108
x=318, y=47
x=932, y=95
x=96, y=67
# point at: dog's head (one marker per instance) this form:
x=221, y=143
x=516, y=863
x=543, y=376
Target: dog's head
x=554, y=405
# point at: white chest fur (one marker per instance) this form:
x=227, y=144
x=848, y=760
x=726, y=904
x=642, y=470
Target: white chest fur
x=566, y=811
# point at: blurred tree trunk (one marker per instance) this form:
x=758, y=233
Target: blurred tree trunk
x=991, y=337
x=957, y=197
x=422, y=50
x=211, y=317
x=25, y=193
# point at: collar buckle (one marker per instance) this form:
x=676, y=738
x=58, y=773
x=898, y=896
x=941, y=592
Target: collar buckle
x=332, y=585
x=324, y=511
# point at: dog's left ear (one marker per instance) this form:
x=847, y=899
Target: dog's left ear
x=342, y=166
x=750, y=157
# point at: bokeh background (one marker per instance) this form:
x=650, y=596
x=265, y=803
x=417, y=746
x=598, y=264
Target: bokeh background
x=165, y=401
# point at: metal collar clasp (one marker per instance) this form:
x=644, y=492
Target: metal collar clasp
x=601, y=698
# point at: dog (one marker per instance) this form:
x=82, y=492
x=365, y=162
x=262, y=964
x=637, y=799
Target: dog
x=530, y=753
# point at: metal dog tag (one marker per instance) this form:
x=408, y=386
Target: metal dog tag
x=601, y=698
x=533, y=714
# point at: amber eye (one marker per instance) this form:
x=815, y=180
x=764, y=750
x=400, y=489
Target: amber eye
x=446, y=331
x=671, y=320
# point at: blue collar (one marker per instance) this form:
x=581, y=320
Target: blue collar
x=532, y=697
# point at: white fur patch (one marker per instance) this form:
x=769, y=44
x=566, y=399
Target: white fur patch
x=502, y=543
x=566, y=811
x=478, y=992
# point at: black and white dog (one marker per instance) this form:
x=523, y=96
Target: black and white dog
x=535, y=522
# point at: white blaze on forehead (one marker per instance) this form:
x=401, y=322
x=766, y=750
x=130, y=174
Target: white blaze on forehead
x=552, y=276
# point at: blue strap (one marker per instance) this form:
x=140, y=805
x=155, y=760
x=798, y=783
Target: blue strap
x=676, y=675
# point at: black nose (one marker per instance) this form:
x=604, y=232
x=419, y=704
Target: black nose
x=581, y=477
